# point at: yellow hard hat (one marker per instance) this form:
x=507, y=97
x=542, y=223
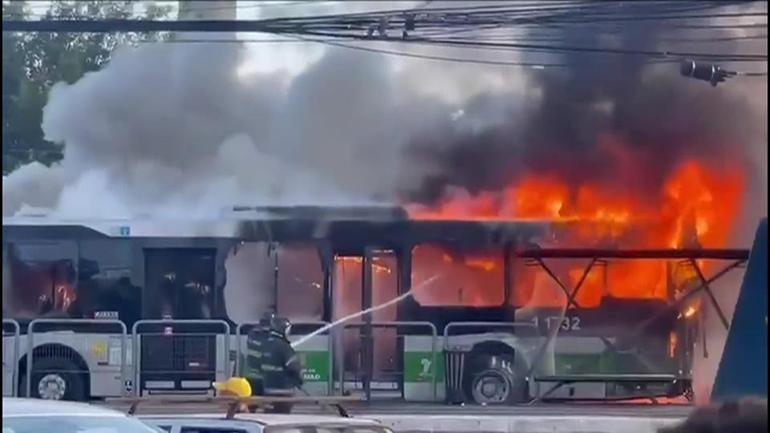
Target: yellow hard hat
x=233, y=387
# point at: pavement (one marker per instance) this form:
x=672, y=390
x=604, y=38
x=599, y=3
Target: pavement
x=537, y=418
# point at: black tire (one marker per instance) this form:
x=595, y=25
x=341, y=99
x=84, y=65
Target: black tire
x=56, y=369
x=494, y=380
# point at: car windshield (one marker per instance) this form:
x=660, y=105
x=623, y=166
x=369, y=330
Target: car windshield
x=73, y=424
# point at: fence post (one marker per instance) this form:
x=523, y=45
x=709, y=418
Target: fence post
x=433, y=342
x=16, y=347
x=239, y=346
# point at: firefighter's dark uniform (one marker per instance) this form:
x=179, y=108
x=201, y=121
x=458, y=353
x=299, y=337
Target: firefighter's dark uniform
x=273, y=368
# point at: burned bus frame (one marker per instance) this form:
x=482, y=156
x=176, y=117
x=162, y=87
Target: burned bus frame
x=680, y=383
x=366, y=236
x=364, y=232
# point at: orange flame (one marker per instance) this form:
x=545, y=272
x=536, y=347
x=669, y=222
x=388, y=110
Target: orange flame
x=696, y=207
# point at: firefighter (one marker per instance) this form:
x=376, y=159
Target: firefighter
x=273, y=368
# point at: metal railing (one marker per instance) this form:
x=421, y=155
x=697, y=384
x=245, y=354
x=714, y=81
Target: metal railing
x=497, y=325
x=295, y=324
x=168, y=325
x=69, y=323
x=396, y=325
x=14, y=364
x=455, y=359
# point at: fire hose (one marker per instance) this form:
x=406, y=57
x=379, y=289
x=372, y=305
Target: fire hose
x=362, y=312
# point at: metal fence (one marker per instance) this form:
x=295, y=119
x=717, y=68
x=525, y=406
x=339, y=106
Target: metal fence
x=367, y=353
x=180, y=353
x=454, y=355
x=242, y=329
x=59, y=358
x=11, y=331
x=165, y=348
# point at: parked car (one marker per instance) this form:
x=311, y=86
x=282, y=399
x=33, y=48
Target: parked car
x=21, y=415
x=263, y=423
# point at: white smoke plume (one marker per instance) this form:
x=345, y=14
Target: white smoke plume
x=170, y=129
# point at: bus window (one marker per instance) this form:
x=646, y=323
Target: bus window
x=261, y=276
x=532, y=286
x=619, y=279
x=385, y=285
x=42, y=280
x=179, y=282
x=249, y=281
x=465, y=278
x=300, y=282
x=522, y=281
x=105, y=283
x=637, y=279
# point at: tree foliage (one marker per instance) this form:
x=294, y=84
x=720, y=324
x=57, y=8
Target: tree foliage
x=33, y=62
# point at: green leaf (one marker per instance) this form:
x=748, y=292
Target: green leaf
x=33, y=62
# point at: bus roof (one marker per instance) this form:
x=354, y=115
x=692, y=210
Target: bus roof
x=358, y=224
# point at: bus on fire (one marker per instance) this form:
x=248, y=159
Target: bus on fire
x=514, y=319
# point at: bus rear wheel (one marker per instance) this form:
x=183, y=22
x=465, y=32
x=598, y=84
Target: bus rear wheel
x=493, y=380
x=491, y=387
x=55, y=379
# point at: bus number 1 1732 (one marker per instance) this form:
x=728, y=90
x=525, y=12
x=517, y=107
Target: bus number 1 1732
x=566, y=323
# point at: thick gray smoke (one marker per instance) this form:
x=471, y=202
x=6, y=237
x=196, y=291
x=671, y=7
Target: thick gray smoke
x=172, y=130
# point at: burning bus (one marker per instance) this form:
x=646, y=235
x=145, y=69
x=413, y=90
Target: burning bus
x=496, y=313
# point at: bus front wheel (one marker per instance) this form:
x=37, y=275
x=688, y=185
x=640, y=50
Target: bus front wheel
x=55, y=379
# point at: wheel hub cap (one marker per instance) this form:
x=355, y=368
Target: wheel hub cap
x=492, y=389
x=52, y=387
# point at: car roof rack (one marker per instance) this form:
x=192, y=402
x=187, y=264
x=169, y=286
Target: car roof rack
x=235, y=405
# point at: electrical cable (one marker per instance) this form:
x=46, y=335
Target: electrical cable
x=332, y=42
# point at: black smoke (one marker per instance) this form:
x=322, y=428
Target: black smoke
x=622, y=120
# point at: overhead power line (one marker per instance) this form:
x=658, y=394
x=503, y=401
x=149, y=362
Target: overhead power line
x=602, y=50
x=267, y=26
x=532, y=65
x=561, y=48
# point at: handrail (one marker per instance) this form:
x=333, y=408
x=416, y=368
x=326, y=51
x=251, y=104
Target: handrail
x=16, y=347
x=395, y=324
x=510, y=325
x=170, y=322
x=31, y=344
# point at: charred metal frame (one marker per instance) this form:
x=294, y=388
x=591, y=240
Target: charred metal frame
x=736, y=257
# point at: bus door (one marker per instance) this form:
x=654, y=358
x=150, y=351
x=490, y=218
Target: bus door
x=368, y=357
x=179, y=284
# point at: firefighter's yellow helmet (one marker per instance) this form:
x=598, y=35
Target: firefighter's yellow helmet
x=233, y=387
